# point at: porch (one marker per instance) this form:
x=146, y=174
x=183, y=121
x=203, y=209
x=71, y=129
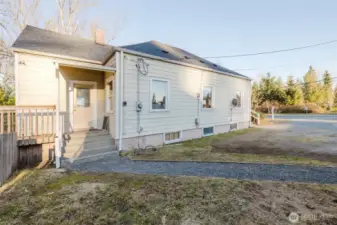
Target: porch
x=85, y=112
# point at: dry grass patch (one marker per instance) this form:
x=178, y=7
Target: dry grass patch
x=49, y=197
x=206, y=150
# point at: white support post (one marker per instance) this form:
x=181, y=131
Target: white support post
x=58, y=135
x=121, y=116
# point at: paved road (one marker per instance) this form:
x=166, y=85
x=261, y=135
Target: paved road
x=309, y=121
x=225, y=170
x=328, y=117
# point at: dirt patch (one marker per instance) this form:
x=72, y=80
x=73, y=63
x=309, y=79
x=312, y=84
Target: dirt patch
x=142, y=199
x=284, y=140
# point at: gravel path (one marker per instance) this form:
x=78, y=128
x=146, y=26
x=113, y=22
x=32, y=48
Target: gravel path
x=114, y=163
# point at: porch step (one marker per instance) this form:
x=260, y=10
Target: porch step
x=67, y=162
x=88, y=146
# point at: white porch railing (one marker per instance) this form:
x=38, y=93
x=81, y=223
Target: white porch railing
x=255, y=117
x=32, y=124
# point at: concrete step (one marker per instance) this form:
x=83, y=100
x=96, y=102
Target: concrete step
x=89, y=145
x=78, y=141
x=95, y=151
x=85, y=134
x=66, y=163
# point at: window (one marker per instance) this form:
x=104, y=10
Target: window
x=233, y=126
x=159, y=94
x=208, y=131
x=110, y=95
x=207, y=97
x=238, y=98
x=83, y=97
x=172, y=137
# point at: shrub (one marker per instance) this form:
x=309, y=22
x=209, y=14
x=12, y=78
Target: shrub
x=312, y=108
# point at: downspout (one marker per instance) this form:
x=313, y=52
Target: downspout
x=58, y=135
x=121, y=95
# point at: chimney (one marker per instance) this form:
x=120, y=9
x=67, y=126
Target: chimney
x=99, y=37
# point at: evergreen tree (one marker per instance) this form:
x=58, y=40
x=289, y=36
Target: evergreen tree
x=271, y=91
x=335, y=97
x=327, y=92
x=255, y=95
x=310, y=86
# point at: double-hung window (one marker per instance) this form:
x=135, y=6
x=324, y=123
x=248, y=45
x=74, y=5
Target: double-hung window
x=207, y=97
x=159, y=94
x=238, y=98
x=110, y=95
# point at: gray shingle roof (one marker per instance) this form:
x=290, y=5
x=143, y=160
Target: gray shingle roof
x=41, y=40
x=36, y=39
x=172, y=53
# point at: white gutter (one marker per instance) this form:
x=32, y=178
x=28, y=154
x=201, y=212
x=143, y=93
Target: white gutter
x=58, y=135
x=121, y=107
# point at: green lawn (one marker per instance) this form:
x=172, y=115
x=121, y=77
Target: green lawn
x=201, y=150
x=51, y=197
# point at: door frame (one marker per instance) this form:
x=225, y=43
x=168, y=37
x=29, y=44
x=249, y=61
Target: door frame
x=71, y=102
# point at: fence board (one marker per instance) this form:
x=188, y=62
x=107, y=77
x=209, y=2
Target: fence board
x=8, y=155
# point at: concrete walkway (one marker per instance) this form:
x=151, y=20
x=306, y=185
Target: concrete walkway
x=248, y=171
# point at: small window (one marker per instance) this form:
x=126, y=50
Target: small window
x=233, y=126
x=83, y=97
x=238, y=98
x=110, y=92
x=159, y=94
x=110, y=95
x=207, y=97
x=208, y=131
x=172, y=137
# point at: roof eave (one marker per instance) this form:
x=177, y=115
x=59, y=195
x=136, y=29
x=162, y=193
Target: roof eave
x=177, y=62
x=33, y=52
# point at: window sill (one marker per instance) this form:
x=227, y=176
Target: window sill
x=159, y=110
x=173, y=141
x=206, y=135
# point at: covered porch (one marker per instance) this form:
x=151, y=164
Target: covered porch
x=85, y=111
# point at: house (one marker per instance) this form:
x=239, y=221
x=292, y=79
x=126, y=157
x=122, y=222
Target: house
x=150, y=93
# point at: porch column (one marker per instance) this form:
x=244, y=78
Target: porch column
x=58, y=135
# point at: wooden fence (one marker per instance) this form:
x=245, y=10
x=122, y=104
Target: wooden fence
x=9, y=155
x=23, y=126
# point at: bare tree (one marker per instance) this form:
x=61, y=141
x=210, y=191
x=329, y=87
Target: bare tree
x=66, y=20
x=14, y=16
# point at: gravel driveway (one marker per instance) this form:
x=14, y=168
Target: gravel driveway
x=311, y=138
x=225, y=170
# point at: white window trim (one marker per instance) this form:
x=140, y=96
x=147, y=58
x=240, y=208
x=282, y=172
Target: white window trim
x=241, y=96
x=207, y=135
x=167, y=98
x=71, y=102
x=173, y=141
x=202, y=97
x=107, y=103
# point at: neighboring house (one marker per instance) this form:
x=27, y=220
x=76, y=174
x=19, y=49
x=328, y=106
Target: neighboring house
x=152, y=93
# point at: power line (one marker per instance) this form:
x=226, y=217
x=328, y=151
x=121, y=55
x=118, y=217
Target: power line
x=272, y=52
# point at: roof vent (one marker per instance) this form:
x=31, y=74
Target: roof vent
x=201, y=61
x=186, y=57
x=215, y=65
x=165, y=51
